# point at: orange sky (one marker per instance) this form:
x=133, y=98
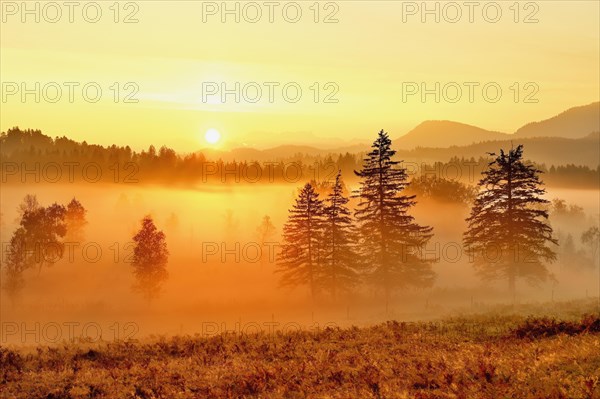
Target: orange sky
x=364, y=60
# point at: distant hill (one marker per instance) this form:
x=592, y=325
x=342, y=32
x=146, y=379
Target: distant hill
x=446, y=134
x=574, y=123
x=163, y=165
x=548, y=150
x=572, y=137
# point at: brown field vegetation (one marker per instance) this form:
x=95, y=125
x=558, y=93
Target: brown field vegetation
x=502, y=354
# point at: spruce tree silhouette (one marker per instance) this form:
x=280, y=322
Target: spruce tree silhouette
x=508, y=230
x=299, y=260
x=390, y=240
x=340, y=267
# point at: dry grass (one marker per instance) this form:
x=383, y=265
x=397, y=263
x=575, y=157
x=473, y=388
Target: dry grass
x=470, y=357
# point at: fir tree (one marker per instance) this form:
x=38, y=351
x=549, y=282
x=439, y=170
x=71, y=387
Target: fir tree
x=390, y=239
x=508, y=231
x=339, y=256
x=299, y=259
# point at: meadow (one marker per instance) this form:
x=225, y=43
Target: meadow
x=527, y=352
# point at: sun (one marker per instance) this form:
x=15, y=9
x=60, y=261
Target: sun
x=212, y=136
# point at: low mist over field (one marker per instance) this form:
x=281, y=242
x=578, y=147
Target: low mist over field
x=285, y=200
x=223, y=259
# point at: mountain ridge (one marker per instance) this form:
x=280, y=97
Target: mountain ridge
x=485, y=139
x=575, y=122
x=446, y=133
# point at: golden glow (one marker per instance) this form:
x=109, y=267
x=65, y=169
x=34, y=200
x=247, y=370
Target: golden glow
x=212, y=136
x=369, y=53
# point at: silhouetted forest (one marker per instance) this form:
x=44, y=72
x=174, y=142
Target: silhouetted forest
x=30, y=156
x=333, y=246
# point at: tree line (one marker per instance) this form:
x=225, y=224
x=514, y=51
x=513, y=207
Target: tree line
x=26, y=150
x=333, y=249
